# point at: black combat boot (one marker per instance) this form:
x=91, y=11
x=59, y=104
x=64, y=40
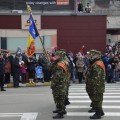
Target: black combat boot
x=55, y=111
x=65, y=112
x=91, y=110
x=91, y=105
x=58, y=116
x=66, y=101
x=102, y=113
x=97, y=115
x=3, y=90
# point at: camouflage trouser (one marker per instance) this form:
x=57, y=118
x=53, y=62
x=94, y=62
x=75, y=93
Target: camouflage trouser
x=67, y=90
x=97, y=99
x=59, y=101
x=90, y=95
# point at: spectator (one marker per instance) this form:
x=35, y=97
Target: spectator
x=80, y=68
x=88, y=8
x=80, y=7
x=106, y=59
x=112, y=62
x=2, y=71
x=7, y=68
x=46, y=71
x=31, y=68
x=23, y=72
x=72, y=66
x=16, y=71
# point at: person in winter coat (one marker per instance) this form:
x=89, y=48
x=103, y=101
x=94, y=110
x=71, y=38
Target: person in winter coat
x=2, y=71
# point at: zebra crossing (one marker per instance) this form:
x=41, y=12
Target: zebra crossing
x=80, y=102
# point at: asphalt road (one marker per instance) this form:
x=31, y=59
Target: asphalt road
x=36, y=103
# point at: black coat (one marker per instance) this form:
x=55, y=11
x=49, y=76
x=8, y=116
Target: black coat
x=80, y=7
x=31, y=65
x=2, y=66
x=16, y=66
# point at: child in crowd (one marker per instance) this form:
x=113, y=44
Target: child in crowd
x=23, y=72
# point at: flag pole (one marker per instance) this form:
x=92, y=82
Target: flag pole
x=44, y=50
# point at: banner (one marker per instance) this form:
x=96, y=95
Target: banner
x=25, y=21
x=62, y=2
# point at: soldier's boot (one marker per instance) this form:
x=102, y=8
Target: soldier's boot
x=67, y=102
x=97, y=114
x=102, y=113
x=65, y=112
x=58, y=116
x=92, y=110
x=91, y=105
x=55, y=111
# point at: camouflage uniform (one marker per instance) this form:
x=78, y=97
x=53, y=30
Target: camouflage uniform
x=66, y=61
x=58, y=85
x=95, y=83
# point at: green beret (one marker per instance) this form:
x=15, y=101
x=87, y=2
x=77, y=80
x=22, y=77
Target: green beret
x=98, y=52
x=59, y=53
x=94, y=52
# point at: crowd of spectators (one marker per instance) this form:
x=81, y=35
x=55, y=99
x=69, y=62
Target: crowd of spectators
x=24, y=69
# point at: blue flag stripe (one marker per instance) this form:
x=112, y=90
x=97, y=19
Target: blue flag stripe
x=32, y=28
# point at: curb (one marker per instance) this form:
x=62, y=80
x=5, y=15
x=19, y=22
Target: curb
x=10, y=85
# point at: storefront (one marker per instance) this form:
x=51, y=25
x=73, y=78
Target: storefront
x=64, y=31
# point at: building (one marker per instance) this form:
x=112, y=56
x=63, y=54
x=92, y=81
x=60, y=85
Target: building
x=59, y=25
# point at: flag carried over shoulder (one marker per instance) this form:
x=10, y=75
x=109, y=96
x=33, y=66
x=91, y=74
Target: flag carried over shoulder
x=33, y=33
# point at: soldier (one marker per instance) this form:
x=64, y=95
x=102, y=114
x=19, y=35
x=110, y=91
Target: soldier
x=58, y=84
x=66, y=62
x=95, y=83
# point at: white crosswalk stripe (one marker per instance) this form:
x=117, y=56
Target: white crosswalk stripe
x=24, y=116
x=80, y=101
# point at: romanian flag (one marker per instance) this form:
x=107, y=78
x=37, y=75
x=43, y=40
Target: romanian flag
x=33, y=33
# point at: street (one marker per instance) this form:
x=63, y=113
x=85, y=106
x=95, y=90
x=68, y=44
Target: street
x=36, y=103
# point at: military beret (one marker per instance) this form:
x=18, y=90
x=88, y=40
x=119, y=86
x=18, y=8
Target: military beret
x=94, y=52
x=59, y=53
x=62, y=50
x=98, y=52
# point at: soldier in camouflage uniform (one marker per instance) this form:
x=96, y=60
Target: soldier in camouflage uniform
x=66, y=61
x=95, y=83
x=58, y=84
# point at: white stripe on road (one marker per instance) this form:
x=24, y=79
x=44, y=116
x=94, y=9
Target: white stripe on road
x=88, y=96
x=24, y=116
x=11, y=114
x=88, y=101
x=29, y=116
x=84, y=90
x=108, y=114
x=85, y=85
x=83, y=106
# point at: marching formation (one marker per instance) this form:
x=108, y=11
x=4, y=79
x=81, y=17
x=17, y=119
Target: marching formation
x=95, y=83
